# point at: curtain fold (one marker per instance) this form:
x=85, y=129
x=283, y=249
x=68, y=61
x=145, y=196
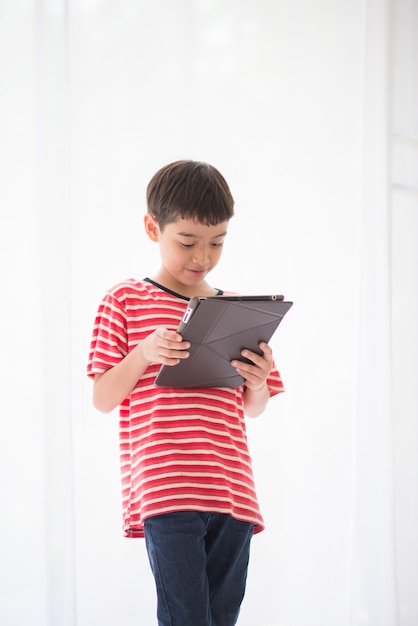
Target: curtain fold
x=404, y=306
x=52, y=202
x=372, y=594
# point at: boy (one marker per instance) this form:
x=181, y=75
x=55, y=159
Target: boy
x=187, y=481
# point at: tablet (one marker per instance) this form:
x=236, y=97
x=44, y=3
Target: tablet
x=218, y=328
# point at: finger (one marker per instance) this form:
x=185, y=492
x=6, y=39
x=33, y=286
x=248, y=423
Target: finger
x=255, y=372
x=252, y=380
x=174, y=353
x=171, y=340
x=265, y=348
x=267, y=352
x=169, y=335
x=262, y=361
x=245, y=369
x=252, y=356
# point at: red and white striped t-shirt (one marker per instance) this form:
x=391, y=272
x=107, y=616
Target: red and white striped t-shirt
x=180, y=449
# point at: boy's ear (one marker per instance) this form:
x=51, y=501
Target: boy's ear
x=151, y=227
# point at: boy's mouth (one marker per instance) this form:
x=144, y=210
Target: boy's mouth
x=197, y=272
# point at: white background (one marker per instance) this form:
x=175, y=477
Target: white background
x=309, y=109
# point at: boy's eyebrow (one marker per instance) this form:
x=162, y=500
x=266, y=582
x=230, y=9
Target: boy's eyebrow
x=196, y=237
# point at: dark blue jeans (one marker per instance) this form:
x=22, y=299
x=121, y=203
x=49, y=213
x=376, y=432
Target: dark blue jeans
x=199, y=562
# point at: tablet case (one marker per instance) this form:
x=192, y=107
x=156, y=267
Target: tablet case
x=218, y=328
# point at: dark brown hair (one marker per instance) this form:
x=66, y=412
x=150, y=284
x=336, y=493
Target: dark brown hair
x=189, y=190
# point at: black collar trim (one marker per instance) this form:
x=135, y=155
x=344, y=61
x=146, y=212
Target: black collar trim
x=173, y=293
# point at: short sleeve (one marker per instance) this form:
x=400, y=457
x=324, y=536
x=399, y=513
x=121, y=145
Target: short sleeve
x=109, y=338
x=274, y=382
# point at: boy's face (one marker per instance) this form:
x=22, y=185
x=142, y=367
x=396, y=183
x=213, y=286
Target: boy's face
x=189, y=251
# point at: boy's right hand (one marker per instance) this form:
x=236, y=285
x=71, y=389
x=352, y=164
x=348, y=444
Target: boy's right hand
x=165, y=347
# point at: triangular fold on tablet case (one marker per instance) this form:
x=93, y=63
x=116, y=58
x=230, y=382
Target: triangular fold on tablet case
x=234, y=318
x=228, y=345
x=214, y=371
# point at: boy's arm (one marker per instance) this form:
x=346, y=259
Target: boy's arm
x=115, y=384
x=255, y=400
x=256, y=393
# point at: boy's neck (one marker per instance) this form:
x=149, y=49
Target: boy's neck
x=187, y=291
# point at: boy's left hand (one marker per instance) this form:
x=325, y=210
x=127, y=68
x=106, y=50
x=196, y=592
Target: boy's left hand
x=255, y=373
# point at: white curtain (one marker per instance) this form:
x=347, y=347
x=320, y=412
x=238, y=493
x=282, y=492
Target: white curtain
x=373, y=592
x=310, y=111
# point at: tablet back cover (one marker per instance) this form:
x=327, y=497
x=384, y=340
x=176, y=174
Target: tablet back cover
x=218, y=330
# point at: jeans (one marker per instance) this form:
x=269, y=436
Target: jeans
x=199, y=561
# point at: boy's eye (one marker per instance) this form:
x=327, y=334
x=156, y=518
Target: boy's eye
x=215, y=244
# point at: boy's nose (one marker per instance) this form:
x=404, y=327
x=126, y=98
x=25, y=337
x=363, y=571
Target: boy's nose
x=200, y=256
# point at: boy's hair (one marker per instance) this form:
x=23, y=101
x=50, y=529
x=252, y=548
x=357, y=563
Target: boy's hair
x=189, y=190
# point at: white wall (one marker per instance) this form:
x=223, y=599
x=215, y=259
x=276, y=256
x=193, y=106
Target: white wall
x=96, y=96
